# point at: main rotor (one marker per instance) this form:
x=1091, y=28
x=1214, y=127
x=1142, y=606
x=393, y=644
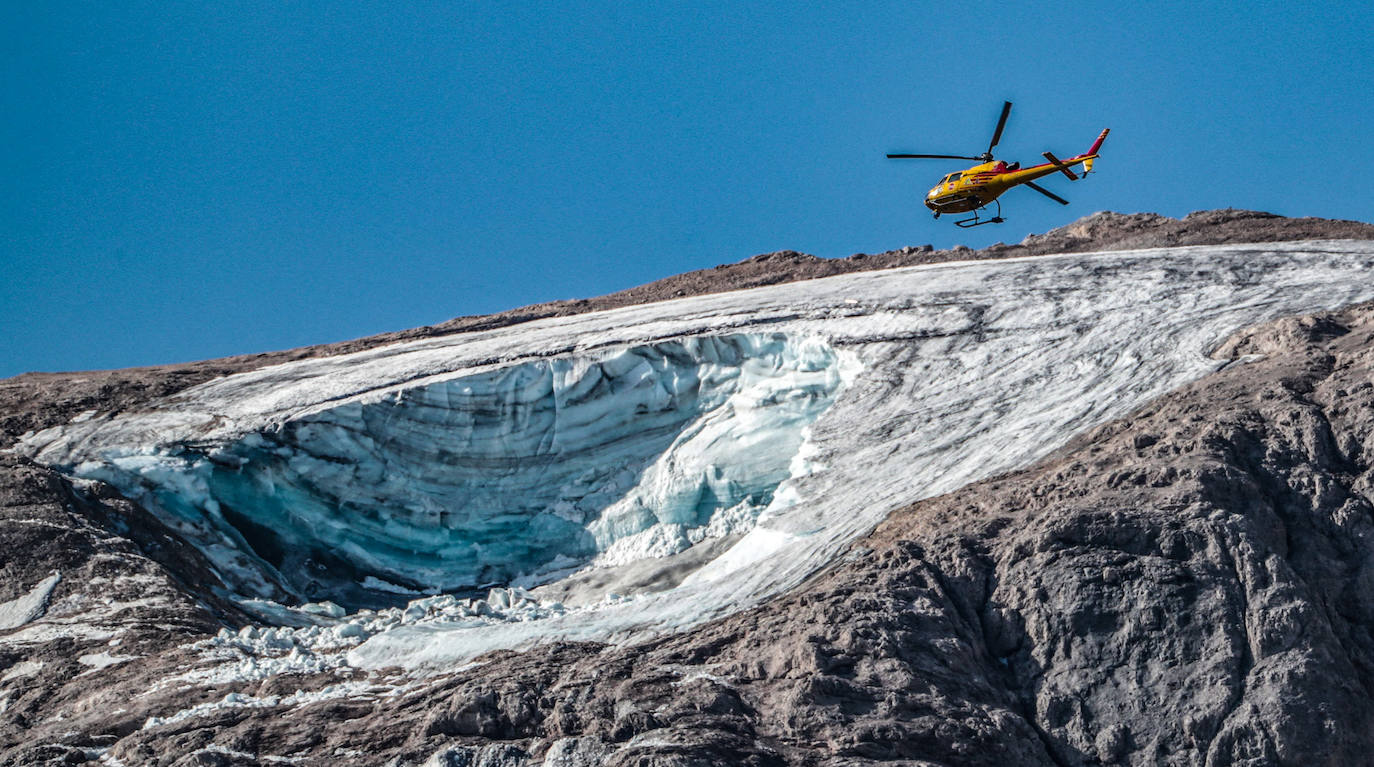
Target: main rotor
x=984, y=157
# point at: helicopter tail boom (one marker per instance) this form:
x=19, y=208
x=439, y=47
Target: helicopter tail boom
x=1098, y=143
x=1091, y=154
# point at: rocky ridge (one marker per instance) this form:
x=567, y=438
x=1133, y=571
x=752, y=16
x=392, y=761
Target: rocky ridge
x=1188, y=585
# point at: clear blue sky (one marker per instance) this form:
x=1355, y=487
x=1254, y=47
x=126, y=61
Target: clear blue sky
x=192, y=180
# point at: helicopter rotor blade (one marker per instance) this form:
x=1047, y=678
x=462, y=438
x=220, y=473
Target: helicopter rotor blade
x=1001, y=123
x=1047, y=193
x=929, y=157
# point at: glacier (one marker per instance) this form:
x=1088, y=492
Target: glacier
x=717, y=448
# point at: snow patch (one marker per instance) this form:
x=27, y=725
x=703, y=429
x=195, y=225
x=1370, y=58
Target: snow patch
x=21, y=669
x=252, y=758
x=235, y=700
x=31, y=606
x=103, y=659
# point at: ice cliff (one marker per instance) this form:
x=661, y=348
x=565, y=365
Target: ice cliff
x=515, y=473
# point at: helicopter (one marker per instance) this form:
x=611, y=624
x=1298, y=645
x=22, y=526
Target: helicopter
x=973, y=189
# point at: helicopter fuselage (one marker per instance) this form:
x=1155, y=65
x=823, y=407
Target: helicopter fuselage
x=977, y=186
x=972, y=189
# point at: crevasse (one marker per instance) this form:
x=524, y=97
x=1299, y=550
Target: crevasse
x=524, y=472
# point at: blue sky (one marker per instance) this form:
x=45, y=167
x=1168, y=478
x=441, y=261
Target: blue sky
x=184, y=181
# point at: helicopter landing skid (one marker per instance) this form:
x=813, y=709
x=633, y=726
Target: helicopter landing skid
x=966, y=223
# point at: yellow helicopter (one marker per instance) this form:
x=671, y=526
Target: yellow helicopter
x=973, y=189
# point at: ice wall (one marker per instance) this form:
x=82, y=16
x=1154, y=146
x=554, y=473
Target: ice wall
x=519, y=473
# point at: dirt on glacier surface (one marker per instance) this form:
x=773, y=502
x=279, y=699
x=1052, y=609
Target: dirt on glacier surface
x=1191, y=584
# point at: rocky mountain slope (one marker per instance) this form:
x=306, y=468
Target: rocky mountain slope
x=1189, y=584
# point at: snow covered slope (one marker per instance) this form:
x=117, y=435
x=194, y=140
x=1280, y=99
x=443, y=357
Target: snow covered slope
x=712, y=450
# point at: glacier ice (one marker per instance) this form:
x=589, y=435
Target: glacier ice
x=911, y=382
x=505, y=474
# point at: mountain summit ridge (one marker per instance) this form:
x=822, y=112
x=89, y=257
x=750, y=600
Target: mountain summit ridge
x=24, y=397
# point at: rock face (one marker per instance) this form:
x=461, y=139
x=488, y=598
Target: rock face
x=1192, y=584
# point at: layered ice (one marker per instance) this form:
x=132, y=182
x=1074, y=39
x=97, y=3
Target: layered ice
x=509, y=474
x=884, y=388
